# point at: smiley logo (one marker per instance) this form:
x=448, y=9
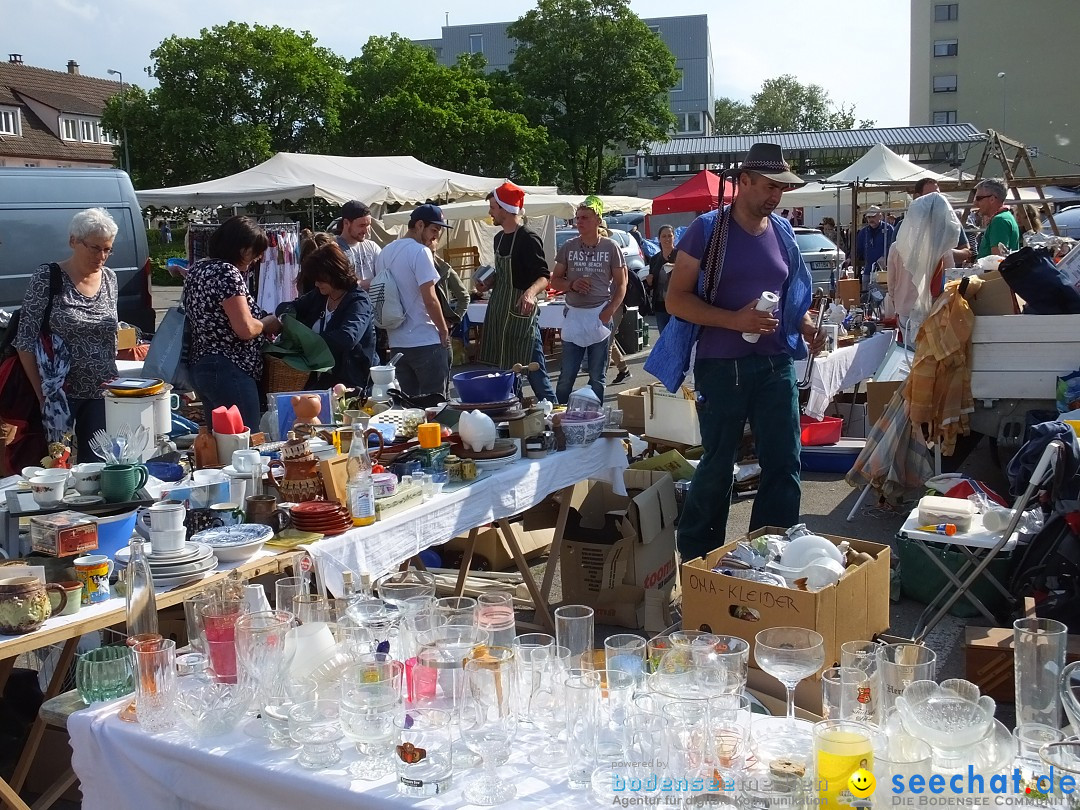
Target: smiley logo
x=861, y=783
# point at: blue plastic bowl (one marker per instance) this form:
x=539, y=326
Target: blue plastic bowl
x=114, y=532
x=484, y=386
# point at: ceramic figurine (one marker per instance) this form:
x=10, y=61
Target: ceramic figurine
x=477, y=431
x=307, y=408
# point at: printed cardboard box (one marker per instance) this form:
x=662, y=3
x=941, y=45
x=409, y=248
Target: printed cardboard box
x=632, y=405
x=988, y=660
x=855, y=608
x=671, y=417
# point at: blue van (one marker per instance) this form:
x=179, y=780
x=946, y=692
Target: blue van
x=36, y=207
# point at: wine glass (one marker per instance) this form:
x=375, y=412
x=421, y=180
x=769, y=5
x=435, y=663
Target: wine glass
x=488, y=723
x=790, y=654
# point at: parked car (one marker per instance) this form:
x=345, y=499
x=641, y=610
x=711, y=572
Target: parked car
x=632, y=255
x=821, y=254
x=36, y=207
x=1068, y=222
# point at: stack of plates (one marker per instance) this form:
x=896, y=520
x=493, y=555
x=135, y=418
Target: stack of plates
x=508, y=409
x=490, y=464
x=323, y=517
x=176, y=567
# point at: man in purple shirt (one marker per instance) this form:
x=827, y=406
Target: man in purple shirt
x=745, y=357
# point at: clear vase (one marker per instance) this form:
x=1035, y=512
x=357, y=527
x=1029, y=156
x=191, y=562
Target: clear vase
x=141, y=606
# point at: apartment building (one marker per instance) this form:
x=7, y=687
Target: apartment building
x=692, y=99
x=1002, y=65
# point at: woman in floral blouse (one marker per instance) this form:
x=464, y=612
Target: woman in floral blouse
x=227, y=326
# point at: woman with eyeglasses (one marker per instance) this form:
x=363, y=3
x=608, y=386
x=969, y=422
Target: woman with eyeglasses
x=67, y=375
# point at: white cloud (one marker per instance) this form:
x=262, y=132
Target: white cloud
x=88, y=11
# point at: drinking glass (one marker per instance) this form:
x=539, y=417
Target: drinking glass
x=626, y=652
x=542, y=694
x=574, y=630
x=729, y=719
x=789, y=654
x=219, y=626
x=275, y=712
x=315, y=726
x=457, y=610
x=687, y=723
x=898, y=755
x=310, y=608
x=900, y=665
x=636, y=773
x=370, y=700
x=261, y=650
x=285, y=590
x=862, y=655
x=720, y=663
x=488, y=724
x=424, y=760
x=377, y=618
x=193, y=606
x=399, y=586
x=495, y=613
x=657, y=647
x=1038, y=659
x=685, y=639
x=614, y=707
x=532, y=640
x=155, y=683
x=841, y=747
x=104, y=673
x=842, y=693
x=582, y=697
x=1030, y=738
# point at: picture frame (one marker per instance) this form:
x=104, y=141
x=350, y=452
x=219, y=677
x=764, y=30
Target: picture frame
x=286, y=415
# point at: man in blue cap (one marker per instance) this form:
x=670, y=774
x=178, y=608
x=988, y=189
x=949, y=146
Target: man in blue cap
x=423, y=337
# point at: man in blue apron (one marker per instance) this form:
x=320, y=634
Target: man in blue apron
x=511, y=331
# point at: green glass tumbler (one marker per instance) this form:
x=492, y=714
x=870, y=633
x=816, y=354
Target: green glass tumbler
x=104, y=674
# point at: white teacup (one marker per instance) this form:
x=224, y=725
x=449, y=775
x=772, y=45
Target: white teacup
x=246, y=461
x=163, y=516
x=204, y=477
x=166, y=540
x=87, y=478
x=48, y=490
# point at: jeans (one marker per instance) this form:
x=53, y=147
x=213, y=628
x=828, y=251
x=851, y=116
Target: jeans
x=88, y=417
x=762, y=389
x=220, y=382
x=596, y=356
x=423, y=369
x=539, y=380
x=662, y=319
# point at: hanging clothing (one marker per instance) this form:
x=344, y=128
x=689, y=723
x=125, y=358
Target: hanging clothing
x=508, y=335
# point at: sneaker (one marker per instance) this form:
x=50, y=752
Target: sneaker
x=622, y=376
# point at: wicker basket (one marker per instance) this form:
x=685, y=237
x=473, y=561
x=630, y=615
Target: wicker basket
x=279, y=376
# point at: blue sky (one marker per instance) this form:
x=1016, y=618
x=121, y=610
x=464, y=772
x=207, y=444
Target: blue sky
x=858, y=51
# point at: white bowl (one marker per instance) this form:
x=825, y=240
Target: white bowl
x=801, y=551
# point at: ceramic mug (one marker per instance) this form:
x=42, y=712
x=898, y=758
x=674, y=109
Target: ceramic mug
x=47, y=490
x=263, y=509
x=161, y=516
x=74, y=590
x=93, y=572
x=199, y=519
x=227, y=514
x=87, y=478
x=164, y=541
x=246, y=461
x=120, y=482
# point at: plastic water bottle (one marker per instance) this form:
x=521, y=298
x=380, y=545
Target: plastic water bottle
x=768, y=302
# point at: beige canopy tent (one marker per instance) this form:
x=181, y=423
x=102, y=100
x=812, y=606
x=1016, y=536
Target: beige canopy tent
x=377, y=181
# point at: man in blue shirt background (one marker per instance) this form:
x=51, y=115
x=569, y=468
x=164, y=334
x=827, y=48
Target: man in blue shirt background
x=872, y=243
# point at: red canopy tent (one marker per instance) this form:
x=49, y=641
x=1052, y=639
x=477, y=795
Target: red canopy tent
x=697, y=195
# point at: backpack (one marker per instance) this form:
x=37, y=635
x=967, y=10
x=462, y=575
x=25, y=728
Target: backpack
x=385, y=298
x=636, y=296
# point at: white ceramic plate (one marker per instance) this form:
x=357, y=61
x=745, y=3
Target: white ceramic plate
x=83, y=500
x=175, y=582
x=209, y=564
x=239, y=535
x=190, y=553
x=232, y=472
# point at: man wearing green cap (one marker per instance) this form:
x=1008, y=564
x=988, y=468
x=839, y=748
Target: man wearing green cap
x=591, y=270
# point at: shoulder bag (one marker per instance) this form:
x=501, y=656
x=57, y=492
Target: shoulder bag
x=167, y=357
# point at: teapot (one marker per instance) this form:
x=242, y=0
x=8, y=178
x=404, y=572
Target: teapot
x=24, y=604
x=301, y=481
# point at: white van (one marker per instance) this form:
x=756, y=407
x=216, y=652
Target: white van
x=36, y=207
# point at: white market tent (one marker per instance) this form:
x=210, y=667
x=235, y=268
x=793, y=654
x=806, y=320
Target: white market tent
x=373, y=180
x=813, y=195
x=550, y=205
x=882, y=165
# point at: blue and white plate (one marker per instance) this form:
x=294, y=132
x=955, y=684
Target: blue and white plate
x=239, y=535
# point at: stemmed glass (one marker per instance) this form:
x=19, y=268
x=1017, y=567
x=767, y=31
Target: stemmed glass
x=261, y=650
x=488, y=723
x=397, y=587
x=370, y=700
x=790, y=654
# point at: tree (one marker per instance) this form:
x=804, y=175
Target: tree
x=600, y=79
x=402, y=101
x=784, y=104
x=228, y=100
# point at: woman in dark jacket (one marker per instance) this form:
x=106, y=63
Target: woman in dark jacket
x=339, y=311
x=658, y=277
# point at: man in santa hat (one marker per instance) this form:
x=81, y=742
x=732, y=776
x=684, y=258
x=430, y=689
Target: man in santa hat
x=511, y=331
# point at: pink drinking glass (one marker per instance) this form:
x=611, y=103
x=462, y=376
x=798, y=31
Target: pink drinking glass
x=219, y=627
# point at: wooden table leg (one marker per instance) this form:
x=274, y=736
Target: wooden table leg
x=565, y=495
x=6, y=666
x=542, y=609
x=466, y=561
x=55, y=790
x=33, y=739
x=9, y=798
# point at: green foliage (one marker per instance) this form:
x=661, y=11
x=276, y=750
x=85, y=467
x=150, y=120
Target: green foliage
x=784, y=104
x=598, y=78
x=403, y=102
x=160, y=253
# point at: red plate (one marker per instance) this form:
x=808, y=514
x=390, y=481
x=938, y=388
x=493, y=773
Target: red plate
x=315, y=508
x=329, y=524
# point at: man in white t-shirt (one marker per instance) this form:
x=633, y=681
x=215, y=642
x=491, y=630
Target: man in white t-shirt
x=360, y=250
x=423, y=339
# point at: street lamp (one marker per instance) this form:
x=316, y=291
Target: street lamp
x=123, y=117
x=1001, y=76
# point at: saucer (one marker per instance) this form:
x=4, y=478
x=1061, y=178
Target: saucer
x=232, y=472
x=190, y=553
x=238, y=535
x=83, y=500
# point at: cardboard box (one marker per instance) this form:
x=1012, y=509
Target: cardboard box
x=617, y=549
x=671, y=462
x=632, y=405
x=671, y=417
x=849, y=291
x=63, y=534
x=988, y=660
x=491, y=546
x=994, y=296
x=855, y=608
x=126, y=338
x=878, y=395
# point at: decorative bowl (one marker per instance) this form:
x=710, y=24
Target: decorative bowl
x=207, y=708
x=233, y=543
x=580, y=432
x=951, y=716
x=484, y=386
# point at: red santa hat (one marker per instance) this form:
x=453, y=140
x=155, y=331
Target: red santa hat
x=510, y=198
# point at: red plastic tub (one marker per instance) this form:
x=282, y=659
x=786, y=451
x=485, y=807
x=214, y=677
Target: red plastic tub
x=815, y=433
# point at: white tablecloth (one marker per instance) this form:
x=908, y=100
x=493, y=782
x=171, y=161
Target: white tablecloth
x=842, y=369
x=121, y=767
x=380, y=547
x=551, y=313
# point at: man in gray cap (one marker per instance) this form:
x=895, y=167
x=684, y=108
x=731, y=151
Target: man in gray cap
x=745, y=367
x=872, y=243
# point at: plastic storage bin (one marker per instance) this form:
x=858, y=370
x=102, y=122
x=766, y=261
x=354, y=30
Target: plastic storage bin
x=815, y=434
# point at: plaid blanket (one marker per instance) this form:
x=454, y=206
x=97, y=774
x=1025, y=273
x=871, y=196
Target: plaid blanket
x=895, y=460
